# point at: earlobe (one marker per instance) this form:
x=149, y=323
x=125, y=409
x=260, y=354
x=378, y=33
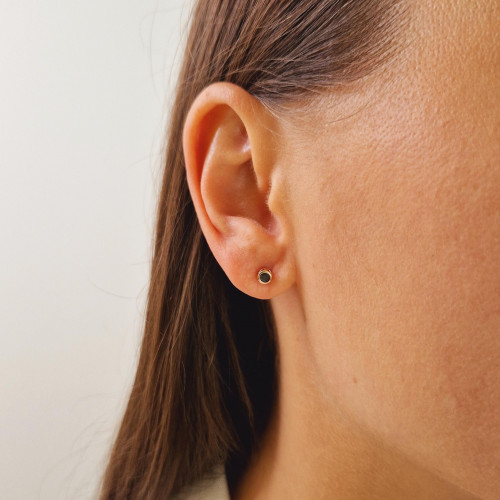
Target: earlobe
x=230, y=157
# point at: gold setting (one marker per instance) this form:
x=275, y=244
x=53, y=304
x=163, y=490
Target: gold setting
x=265, y=276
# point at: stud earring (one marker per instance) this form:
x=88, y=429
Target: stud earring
x=264, y=276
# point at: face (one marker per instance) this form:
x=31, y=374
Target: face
x=396, y=212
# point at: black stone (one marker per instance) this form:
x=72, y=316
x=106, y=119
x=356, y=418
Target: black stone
x=265, y=277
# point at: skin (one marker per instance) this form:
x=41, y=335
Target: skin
x=378, y=211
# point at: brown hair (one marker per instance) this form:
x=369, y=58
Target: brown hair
x=206, y=376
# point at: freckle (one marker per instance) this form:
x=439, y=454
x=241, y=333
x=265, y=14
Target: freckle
x=355, y=380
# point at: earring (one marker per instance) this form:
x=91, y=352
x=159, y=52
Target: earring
x=264, y=276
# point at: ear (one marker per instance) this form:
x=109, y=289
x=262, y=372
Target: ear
x=231, y=158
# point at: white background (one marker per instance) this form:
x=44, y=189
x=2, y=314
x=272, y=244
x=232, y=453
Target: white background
x=85, y=88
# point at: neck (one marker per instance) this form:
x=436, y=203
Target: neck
x=311, y=450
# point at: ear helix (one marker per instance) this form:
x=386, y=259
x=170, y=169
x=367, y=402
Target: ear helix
x=264, y=276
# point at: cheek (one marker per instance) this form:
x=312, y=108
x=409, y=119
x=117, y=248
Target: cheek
x=403, y=304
